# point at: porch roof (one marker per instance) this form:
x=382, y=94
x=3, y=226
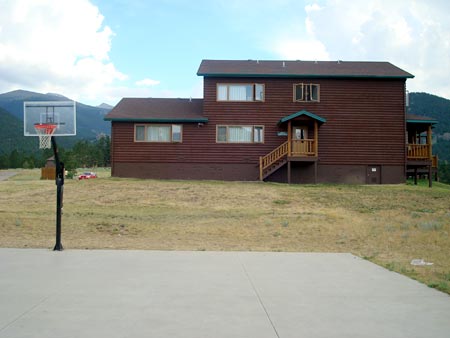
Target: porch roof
x=410, y=118
x=300, y=113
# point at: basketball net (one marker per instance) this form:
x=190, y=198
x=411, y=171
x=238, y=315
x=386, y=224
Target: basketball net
x=45, y=132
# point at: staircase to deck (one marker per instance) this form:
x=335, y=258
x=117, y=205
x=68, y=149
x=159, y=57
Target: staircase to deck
x=273, y=161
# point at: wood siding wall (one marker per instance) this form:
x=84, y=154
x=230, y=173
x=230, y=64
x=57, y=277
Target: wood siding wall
x=365, y=118
x=365, y=125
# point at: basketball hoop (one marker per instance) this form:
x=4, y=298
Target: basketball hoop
x=45, y=132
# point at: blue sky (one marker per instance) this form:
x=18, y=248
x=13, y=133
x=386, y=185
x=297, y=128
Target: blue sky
x=99, y=51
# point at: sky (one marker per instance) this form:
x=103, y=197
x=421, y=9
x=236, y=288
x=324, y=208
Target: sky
x=96, y=51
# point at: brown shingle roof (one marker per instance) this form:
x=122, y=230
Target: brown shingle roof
x=241, y=68
x=158, y=110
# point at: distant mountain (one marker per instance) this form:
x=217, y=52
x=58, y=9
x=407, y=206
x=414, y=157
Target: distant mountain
x=105, y=106
x=90, y=121
x=433, y=106
x=438, y=108
x=11, y=135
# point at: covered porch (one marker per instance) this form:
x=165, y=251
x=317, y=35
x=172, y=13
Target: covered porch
x=420, y=158
x=302, y=145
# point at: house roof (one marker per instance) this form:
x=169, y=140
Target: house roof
x=158, y=110
x=300, y=113
x=411, y=118
x=310, y=69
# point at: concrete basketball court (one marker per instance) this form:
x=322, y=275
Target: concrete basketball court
x=211, y=294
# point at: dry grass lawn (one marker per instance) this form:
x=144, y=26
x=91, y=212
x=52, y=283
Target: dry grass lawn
x=389, y=225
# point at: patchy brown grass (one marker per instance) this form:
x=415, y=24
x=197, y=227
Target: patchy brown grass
x=389, y=225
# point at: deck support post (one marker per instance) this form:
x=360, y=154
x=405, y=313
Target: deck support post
x=289, y=172
x=315, y=172
x=415, y=175
x=430, y=176
x=260, y=168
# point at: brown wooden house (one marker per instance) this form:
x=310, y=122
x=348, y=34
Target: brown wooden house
x=284, y=121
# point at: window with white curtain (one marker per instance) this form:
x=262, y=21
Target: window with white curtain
x=158, y=133
x=240, y=92
x=240, y=134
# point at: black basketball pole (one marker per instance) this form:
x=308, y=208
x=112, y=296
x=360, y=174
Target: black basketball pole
x=59, y=180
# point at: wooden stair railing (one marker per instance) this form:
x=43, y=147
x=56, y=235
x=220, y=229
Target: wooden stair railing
x=273, y=160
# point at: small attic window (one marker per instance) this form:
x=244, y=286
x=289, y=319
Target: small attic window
x=306, y=92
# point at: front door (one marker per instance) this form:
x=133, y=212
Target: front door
x=299, y=132
x=299, y=143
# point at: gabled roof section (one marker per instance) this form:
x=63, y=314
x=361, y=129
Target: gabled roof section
x=309, y=69
x=300, y=113
x=158, y=110
x=411, y=118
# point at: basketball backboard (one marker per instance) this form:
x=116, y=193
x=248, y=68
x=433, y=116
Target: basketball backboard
x=59, y=113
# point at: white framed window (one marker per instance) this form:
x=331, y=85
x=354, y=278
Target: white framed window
x=165, y=133
x=240, y=134
x=308, y=92
x=240, y=92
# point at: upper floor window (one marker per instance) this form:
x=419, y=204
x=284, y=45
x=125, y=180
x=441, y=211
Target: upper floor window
x=306, y=92
x=158, y=133
x=240, y=92
x=240, y=134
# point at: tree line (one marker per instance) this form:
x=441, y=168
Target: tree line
x=84, y=154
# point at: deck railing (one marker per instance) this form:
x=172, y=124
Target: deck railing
x=419, y=151
x=303, y=148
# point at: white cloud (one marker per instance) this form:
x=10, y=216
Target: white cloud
x=147, y=82
x=55, y=46
x=414, y=35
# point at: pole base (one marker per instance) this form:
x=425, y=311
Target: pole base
x=58, y=247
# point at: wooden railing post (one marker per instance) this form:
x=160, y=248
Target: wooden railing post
x=289, y=138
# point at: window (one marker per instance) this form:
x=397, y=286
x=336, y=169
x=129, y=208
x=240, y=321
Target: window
x=158, y=133
x=240, y=134
x=240, y=92
x=140, y=133
x=258, y=134
x=306, y=92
